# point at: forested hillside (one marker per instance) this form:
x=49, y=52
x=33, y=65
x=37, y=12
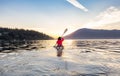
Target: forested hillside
x=21, y=34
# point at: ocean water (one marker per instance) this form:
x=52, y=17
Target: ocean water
x=85, y=57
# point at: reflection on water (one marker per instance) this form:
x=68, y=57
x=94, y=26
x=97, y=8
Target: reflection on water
x=12, y=46
x=90, y=45
x=81, y=58
x=111, y=45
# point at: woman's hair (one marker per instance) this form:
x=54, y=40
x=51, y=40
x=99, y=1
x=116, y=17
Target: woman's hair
x=59, y=38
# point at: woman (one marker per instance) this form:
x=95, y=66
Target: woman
x=59, y=46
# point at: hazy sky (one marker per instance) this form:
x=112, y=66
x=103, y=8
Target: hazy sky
x=53, y=16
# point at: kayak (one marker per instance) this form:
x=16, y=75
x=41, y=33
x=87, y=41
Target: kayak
x=59, y=50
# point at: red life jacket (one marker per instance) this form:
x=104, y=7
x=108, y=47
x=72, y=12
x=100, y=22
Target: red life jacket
x=59, y=42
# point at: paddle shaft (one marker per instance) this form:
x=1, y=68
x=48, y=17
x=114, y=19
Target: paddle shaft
x=64, y=32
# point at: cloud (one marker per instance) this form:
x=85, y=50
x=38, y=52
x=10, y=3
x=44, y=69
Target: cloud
x=106, y=18
x=77, y=4
x=115, y=25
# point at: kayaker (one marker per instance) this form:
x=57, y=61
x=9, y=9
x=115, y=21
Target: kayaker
x=59, y=46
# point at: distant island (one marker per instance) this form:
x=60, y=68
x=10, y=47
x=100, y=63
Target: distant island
x=94, y=34
x=21, y=34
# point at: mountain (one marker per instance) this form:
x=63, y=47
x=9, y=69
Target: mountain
x=21, y=34
x=94, y=34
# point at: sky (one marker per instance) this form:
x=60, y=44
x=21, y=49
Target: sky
x=52, y=17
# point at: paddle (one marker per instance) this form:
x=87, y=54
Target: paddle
x=63, y=34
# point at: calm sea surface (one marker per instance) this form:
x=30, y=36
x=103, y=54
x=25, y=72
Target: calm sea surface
x=68, y=44
x=83, y=57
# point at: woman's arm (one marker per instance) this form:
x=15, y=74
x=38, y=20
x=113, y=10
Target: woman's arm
x=62, y=39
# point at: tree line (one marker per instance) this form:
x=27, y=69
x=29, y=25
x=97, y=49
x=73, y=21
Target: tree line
x=21, y=34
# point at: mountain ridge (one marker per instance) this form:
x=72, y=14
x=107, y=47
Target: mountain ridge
x=86, y=33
